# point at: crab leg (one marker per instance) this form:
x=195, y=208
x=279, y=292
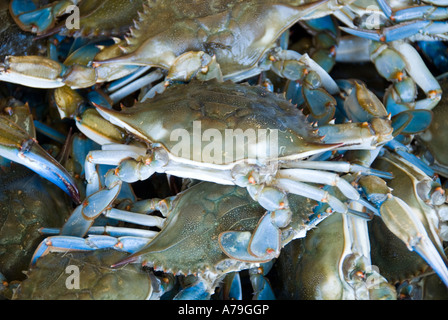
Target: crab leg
x=413, y=13
x=45, y=73
x=317, y=194
x=108, y=230
x=401, y=64
x=94, y=242
x=320, y=177
x=317, y=87
x=337, y=166
x=420, y=29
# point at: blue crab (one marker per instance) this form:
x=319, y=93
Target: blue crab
x=414, y=201
x=29, y=203
x=215, y=43
x=48, y=278
x=194, y=238
x=267, y=173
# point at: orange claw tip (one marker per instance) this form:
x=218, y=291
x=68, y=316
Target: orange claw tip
x=96, y=64
x=399, y=76
x=251, y=180
x=119, y=245
x=440, y=189
x=166, y=279
x=333, y=51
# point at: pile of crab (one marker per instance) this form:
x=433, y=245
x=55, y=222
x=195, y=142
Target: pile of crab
x=223, y=149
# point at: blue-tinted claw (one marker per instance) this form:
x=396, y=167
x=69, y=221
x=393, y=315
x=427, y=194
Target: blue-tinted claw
x=196, y=291
x=414, y=13
x=321, y=105
x=398, y=217
x=37, y=20
x=85, y=214
x=235, y=244
x=16, y=145
x=265, y=241
x=367, y=34
x=400, y=31
x=411, y=121
x=69, y=243
x=403, y=151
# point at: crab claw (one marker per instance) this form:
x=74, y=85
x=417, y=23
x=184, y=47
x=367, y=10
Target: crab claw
x=18, y=146
x=398, y=217
x=37, y=20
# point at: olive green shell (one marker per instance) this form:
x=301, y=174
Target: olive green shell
x=205, y=113
x=237, y=32
x=50, y=279
x=104, y=17
x=189, y=241
x=27, y=203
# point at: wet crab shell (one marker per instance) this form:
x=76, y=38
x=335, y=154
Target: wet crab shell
x=232, y=30
x=189, y=241
x=49, y=278
x=27, y=203
x=184, y=111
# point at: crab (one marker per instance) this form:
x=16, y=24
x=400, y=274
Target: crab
x=269, y=172
x=49, y=278
x=196, y=238
x=29, y=202
x=415, y=201
x=204, y=41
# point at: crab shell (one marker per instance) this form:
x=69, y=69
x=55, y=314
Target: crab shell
x=231, y=30
x=228, y=110
x=50, y=278
x=27, y=203
x=190, y=240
